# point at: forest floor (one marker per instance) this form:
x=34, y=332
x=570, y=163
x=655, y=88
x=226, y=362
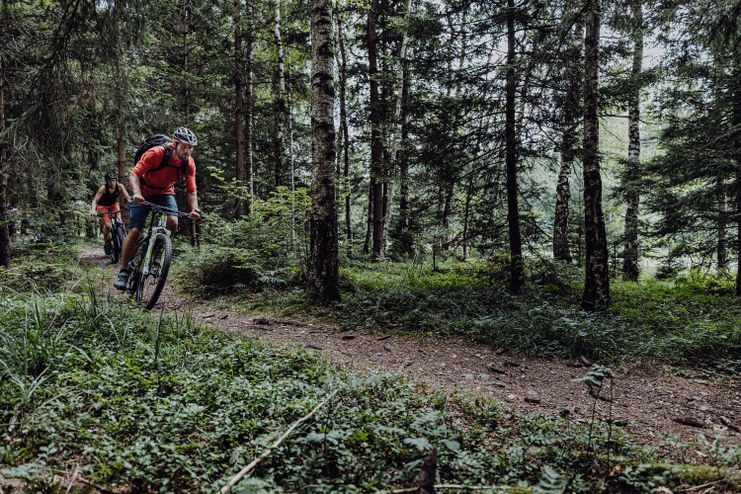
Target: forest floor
x=652, y=403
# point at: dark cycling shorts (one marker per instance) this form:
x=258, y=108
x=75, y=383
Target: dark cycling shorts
x=138, y=214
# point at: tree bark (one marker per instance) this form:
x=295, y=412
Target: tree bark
x=630, y=253
x=466, y=215
x=185, y=62
x=4, y=227
x=238, y=109
x=572, y=108
x=249, y=111
x=280, y=102
x=738, y=220
x=597, y=282
x=376, y=167
x=4, y=219
x=737, y=146
x=121, y=98
x=404, y=164
x=722, y=250
x=513, y=214
x=346, y=189
x=323, y=256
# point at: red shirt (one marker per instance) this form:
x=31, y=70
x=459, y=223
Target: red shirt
x=162, y=181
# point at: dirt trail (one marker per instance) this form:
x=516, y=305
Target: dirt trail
x=650, y=403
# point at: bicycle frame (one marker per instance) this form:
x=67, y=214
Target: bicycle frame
x=161, y=226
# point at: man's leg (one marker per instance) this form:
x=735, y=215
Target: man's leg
x=127, y=252
x=129, y=244
x=137, y=220
x=172, y=224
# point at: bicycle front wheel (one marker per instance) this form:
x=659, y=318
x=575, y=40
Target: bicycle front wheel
x=150, y=286
x=117, y=237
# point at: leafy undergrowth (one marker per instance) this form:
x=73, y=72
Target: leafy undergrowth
x=47, y=266
x=143, y=404
x=684, y=322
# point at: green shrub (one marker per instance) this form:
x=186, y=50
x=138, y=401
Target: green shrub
x=265, y=249
x=143, y=404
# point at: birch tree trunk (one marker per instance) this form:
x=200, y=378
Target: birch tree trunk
x=597, y=282
x=238, y=108
x=572, y=108
x=346, y=189
x=323, y=255
x=400, y=125
x=249, y=112
x=513, y=214
x=404, y=168
x=280, y=102
x=630, y=254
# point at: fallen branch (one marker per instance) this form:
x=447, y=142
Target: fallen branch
x=449, y=486
x=270, y=449
x=703, y=486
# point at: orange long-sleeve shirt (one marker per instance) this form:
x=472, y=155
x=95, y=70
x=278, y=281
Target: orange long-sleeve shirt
x=162, y=181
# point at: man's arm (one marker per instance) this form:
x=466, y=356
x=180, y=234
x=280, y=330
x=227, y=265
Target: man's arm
x=136, y=188
x=193, y=202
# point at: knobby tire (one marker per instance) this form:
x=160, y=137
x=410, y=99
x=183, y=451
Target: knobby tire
x=159, y=267
x=118, y=235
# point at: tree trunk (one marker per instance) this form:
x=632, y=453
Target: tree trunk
x=185, y=63
x=323, y=256
x=513, y=214
x=572, y=106
x=280, y=102
x=369, y=218
x=249, y=112
x=737, y=145
x=346, y=189
x=376, y=167
x=404, y=164
x=4, y=227
x=121, y=98
x=597, y=282
x=722, y=250
x=466, y=215
x=238, y=109
x=4, y=218
x=630, y=254
x=738, y=219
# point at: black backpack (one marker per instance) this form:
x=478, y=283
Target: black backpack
x=149, y=143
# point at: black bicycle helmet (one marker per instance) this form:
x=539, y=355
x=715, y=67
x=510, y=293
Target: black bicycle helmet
x=111, y=175
x=186, y=136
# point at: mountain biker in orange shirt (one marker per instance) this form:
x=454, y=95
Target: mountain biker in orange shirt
x=154, y=181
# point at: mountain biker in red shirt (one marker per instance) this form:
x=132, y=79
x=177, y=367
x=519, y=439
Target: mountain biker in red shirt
x=152, y=181
x=106, y=203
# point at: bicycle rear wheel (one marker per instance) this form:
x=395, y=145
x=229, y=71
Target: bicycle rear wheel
x=150, y=285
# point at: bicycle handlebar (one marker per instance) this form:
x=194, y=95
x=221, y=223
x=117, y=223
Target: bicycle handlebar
x=164, y=210
x=110, y=213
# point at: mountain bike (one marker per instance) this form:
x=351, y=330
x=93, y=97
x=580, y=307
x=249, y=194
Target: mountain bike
x=151, y=262
x=118, y=234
